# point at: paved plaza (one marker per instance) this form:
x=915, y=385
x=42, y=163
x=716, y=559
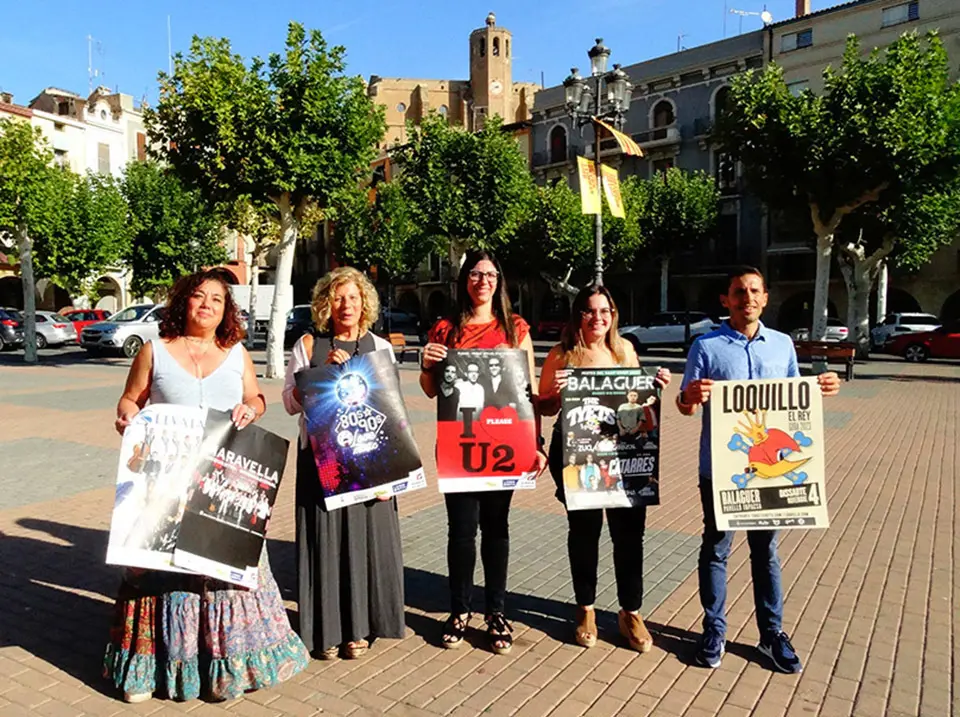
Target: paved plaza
x=872, y=603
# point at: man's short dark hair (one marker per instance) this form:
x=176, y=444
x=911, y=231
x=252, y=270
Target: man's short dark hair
x=745, y=270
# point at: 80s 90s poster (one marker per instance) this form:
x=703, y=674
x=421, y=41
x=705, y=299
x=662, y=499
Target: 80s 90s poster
x=359, y=430
x=486, y=430
x=611, y=438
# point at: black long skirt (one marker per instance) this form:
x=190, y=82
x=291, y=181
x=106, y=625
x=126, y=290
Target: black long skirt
x=349, y=566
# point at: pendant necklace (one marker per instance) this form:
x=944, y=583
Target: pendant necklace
x=196, y=362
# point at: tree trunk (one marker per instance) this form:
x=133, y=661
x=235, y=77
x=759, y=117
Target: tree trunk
x=821, y=292
x=882, y=282
x=282, y=288
x=29, y=297
x=664, y=281
x=859, y=272
x=252, y=308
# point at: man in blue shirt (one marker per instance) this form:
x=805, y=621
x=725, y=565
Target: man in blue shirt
x=742, y=348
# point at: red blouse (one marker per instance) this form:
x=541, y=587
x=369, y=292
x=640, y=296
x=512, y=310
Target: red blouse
x=478, y=336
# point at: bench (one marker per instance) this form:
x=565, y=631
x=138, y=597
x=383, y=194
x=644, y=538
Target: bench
x=829, y=351
x=400, y=347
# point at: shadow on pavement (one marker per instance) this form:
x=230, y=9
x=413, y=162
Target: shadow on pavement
x=52, y=607
x=63, y=357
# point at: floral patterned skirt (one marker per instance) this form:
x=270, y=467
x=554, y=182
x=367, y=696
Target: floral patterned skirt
x=180, y=635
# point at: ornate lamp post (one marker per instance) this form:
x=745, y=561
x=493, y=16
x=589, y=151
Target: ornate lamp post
x=586, y=99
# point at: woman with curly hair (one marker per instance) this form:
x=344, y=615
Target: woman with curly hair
x=349, y=562
x=186, y=634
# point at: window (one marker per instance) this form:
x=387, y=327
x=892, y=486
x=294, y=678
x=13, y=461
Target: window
x=141, y=146
x=797, y=87
x=63, y=108
x=660, y=166
x=796, y=40
x=443, y=110
x=507, y=53
x=103, y=158
x=482, y=47
x=496, y=47
x=720, y=101
x=103, y=114
x=558, y=144
x=898, y=14
x=663, y=115
x=725, y=172
x=59, y=126
x=401, y=108
x=60, y=158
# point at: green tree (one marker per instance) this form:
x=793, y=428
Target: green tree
x=174, y=230
x=91, y=233
x=671, y=212
x=466, y=189
x=885, y=125
x=292, y=131
x=29, y=207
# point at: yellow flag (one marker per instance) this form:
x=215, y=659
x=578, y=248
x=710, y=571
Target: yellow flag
x=611, y=188
x=627, y=145
x=589, y=189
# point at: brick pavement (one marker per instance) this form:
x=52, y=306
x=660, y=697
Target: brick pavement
x=871, y=603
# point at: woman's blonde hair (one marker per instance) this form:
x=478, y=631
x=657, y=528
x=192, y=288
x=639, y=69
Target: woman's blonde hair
x=571, y=338
x=325, y=289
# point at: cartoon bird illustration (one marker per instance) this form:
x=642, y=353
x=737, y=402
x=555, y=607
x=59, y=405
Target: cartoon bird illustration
x=767, y=456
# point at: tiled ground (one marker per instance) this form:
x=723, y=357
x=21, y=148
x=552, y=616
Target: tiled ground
x=871, y=603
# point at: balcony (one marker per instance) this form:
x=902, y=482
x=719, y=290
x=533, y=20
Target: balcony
x=545, y=160
x=649, y=139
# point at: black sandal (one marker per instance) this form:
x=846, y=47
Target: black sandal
x=498, y=630
x=454, y=629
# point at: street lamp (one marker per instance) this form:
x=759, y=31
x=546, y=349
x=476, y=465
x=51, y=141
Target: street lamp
x=585, y=102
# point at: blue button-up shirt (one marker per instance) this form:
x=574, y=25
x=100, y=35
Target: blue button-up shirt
x=727, y=355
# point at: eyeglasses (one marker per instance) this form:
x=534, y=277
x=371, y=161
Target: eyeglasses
x=477, y=276
x=602, y=313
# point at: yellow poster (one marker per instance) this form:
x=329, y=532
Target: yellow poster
x=611, y=188
x=589, y=189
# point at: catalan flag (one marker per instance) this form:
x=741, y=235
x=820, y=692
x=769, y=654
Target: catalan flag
x=627, y=145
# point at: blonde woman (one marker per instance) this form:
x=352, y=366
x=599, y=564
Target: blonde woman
x=349, y=563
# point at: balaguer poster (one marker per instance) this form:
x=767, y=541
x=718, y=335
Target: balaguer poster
x=767, y=454
x=611, y=438
x=230, y=500
x=360, y=431
x=194, y=494
x=486, y=430
x=157, y=459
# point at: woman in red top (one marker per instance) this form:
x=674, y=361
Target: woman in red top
x=483, y=320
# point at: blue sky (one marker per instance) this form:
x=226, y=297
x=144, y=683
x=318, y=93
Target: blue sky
x=44, y=42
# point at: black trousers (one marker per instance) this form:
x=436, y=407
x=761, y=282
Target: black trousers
x=466, y=512
x=583, y=545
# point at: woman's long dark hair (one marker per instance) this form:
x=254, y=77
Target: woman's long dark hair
x=174, y=322
x=501, y=297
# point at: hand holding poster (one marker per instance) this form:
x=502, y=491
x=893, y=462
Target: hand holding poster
x=359, y=430
x=767, y=454
x=486, y=428
x=611, y=428
x=230, y=500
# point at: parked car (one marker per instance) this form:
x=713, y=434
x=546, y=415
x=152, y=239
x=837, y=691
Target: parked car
x=11, y=329
x=299, y=322
x=393, y=321
x=901, y=323
x=550, y=328
x=125, y=331
x=54, y=330
x=82, y=318
x=668, y=329
x=836, y=331
x=942, y=342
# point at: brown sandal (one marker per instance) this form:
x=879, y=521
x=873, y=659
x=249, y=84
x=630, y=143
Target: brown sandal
x=498, y=630
x=353, y=650
x=586, y=630
x=632, y=628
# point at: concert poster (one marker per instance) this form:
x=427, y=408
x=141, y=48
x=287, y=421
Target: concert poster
x=486, y=429
x=611, y=438
x=360, y=431
x=230, y=501
x=158, y=456
x=767, y=454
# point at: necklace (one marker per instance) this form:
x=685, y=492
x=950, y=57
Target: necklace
x=196, y=361
x=356, y=346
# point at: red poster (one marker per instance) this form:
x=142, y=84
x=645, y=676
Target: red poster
x=486, y=429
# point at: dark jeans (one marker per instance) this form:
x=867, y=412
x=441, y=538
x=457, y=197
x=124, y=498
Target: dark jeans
x=465, y=512
x=583, y=545
x=764, y=568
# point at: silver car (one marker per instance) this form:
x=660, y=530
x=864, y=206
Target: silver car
x=836, y=331
x=126, y=331
x=54, y=330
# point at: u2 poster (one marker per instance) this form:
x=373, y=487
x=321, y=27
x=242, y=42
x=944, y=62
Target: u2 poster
x=767, y=454
x=230, y=501
x=611, y=438
x=158, y=456
x=486, y=429
x=359, y=430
